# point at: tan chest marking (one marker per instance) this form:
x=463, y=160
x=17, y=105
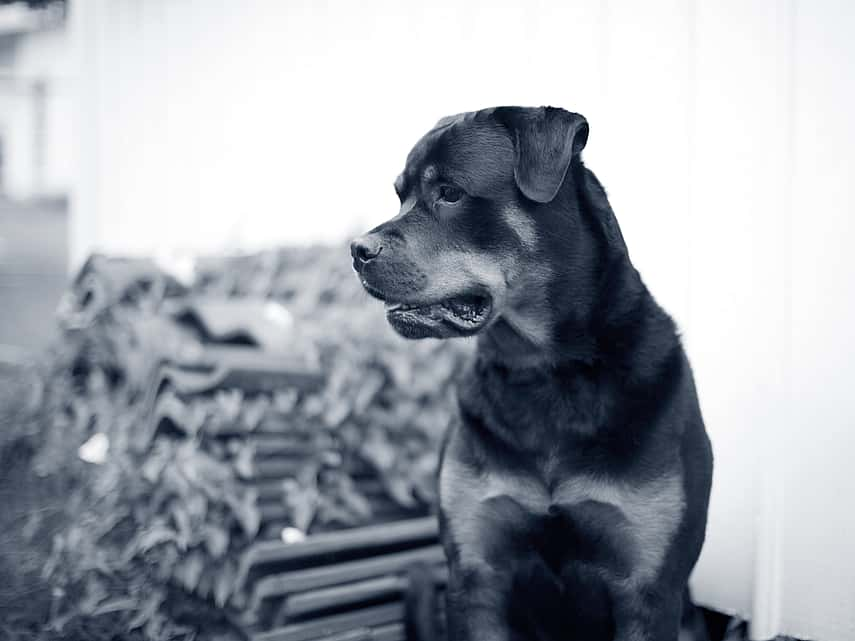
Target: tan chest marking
x=462, y=490
x=654, y=509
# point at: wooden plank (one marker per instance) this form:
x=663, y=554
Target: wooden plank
x=291, y=444
x=273, y=509
x=389, y=632
x=312, y=601
x=271, y=489
x=378, y=615
x=268, y=490
x=255, y=370
x=331, y=544
x=280, y=585
x=359, y=634
x=276, y=467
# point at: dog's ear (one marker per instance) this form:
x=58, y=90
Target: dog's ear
x=545, y=141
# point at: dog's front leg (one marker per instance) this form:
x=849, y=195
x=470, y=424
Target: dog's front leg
x=478, y=533
x=483, y=544
x=651, y=615
x=476, y=603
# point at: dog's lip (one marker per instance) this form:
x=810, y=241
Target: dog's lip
x=373, y=291
x=467, y=313
x=396, y=303
x=414, y=303
x=412, y=306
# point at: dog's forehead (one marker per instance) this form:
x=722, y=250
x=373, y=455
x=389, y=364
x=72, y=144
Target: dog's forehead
x=420, y=153
x=463, y=143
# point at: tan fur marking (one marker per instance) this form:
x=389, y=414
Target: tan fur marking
x=528, y=308
x=462, y=490
x=654, y=510
x=457, y=271
x=524, y=305
x=522, y=226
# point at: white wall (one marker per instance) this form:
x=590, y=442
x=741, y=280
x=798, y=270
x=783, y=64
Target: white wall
x=722, y=130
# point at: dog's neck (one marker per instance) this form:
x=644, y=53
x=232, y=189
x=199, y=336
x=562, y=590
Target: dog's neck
x=608, y=339
x=587, y=336
x=594, y=303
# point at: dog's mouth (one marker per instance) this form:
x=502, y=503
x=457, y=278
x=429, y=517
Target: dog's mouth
x=459, y=315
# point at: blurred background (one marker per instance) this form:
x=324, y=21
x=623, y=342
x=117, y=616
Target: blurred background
x=722, y=130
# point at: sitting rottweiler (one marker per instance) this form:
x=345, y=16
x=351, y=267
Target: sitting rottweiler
x=574, y=487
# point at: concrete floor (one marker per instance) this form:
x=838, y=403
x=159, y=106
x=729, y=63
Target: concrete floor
x=33, y=273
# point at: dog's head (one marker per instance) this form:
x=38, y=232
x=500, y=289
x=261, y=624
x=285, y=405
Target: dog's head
x=477, y=219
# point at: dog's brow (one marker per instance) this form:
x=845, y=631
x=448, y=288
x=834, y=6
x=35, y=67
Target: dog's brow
x=459, y=178
x=430, y=174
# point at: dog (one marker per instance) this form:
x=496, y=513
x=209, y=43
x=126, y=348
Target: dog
x=574, y=484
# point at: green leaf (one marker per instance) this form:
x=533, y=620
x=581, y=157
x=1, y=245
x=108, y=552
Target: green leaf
x=224, y=583
x=245, y=510
x=157, y=534
x=147, y=610
x=216, y=540
x=182, y=522
x=189, y=570
x=243, y=462
x=302, y=501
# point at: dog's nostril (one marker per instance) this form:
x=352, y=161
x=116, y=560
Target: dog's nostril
x=364, y=254
x=363, y=251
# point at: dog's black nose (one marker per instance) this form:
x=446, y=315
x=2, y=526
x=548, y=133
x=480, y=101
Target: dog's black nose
x=365, y=249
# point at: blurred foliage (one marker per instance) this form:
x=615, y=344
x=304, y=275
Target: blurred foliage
x=386, y=398
x=149, y=538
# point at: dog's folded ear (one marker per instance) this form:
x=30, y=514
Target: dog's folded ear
x=545, y=141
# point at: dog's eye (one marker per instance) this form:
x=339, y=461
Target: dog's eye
x=450, y=193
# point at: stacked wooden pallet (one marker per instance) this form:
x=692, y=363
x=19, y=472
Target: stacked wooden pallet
x=263, y=445
x=348, y=585
x=237, y=421
x=339, y=585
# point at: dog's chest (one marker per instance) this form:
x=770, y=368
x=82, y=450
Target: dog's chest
x=647, y=514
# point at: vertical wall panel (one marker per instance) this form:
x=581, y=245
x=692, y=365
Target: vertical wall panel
x=739, y=140
x=817, y=523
